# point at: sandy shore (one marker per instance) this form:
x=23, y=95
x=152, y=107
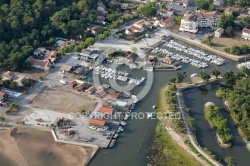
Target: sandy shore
x=32, y=147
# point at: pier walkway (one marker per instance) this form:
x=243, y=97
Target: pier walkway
x=189, y=132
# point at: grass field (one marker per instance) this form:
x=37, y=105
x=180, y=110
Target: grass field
x=165, y=149
x=223, y=42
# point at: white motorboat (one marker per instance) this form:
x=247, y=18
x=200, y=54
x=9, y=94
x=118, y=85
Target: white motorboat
x=112, y=143
x=116, y=135
x=123, y=123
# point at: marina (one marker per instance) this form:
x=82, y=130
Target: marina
x=134, y=144
x=109, y=73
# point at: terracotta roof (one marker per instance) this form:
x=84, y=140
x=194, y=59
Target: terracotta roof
x=99, y=13
x=106, y=110
x=72, y=83
x=91, y=89
x=100, y=122
x=97, y=28
x=112, y=96
x=101, y=93
x=99, y=19
x=189, y=17
x=2, y=94
x=140, y=6
x=40, y=63
x=51, y=54
x=66, y=67
x=80, y=86
x=131, y=55
x=207, y=15
x=245, y=30
x=169, y=20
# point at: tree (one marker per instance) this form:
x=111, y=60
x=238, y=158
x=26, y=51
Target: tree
x=112, y=17
x=245, y=71
x=216, y=73
x=230, y=161
x=202, y=4
x=226, y=20
x=181, y=77
x=133, y=49
x=92, y=17
x=2, y=118
x=211, y=7
x=229, y=78
x=171, y=80
x=26, y=82
x=101, y=36
x=178, y=20
x=149, y=10
x=13, y=85
x=40, y=77
x=6, y=83
x=205, y=76
x=161, y=6
x=229, y=31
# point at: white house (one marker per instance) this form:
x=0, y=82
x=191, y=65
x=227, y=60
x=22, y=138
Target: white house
x=40, y=64
x=138, y=26
x=191, y=22
x=245, y=34
x=167, y=13
x=219, y=32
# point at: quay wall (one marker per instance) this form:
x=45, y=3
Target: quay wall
x=93, y=147
x=226, y=55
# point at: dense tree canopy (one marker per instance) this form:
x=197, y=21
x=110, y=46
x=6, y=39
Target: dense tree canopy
x=26, y=24
x=238, y=99
x=149, y=9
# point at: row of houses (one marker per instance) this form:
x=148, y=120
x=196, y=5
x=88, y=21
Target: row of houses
x=190, y=22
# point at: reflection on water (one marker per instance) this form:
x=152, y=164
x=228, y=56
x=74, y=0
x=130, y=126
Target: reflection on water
x=195, y=99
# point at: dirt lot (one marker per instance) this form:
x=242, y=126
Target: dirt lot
x=34, y=74
x=32, y=147
x=223, y=42
x=58, y=99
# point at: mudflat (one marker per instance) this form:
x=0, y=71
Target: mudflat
x=21, y=146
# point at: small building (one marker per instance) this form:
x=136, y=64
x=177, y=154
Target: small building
x=51, y=55
x=3, y=97
x=168, y=60
x=95, y=29
x=130, y=55
x=106, y=111
x=101, y=93
x=8, y=75
x=245, y=34
x=39, y=51
x=167, y=13
x=100, y=19
x=93, y=57
x=40, y=64
x=67, y=68
x=91, y=90
x=219, y=32
x=80, y=87
x=112, y=96
x=78, y=70
x=218, y=2
x=230, y=10
x=168, y=22
x=85, y=53
x=100, y=123
x=72, y=84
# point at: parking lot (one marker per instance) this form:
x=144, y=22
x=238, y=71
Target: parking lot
x=44, y=118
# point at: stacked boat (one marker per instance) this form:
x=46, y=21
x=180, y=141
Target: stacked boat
x=244, y=64
x=195, y=52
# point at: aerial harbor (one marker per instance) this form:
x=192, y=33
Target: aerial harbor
x=152, y=82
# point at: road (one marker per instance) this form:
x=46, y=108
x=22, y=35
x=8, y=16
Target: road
x=189, y=134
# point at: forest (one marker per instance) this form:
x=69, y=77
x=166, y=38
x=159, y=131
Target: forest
x=237, y=95
x=27, y=24
x=218, y=123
